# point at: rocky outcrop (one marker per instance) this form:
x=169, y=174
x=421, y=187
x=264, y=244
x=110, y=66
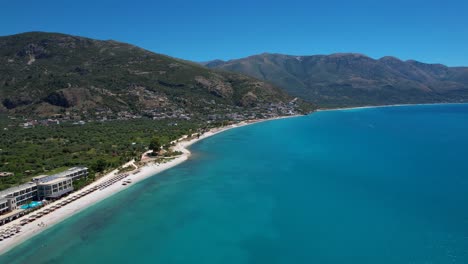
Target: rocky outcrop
x=249, y=99
x=216, y=86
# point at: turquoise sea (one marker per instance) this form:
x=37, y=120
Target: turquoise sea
x=379, y=185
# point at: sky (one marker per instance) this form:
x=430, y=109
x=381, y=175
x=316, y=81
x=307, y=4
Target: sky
x=428, y=31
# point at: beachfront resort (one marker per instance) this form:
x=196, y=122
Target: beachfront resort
x=15, y=201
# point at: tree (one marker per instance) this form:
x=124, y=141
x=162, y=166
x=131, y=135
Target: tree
x=99, y=165
x=155, y=145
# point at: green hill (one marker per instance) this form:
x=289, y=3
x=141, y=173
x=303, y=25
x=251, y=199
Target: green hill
x=42, y=74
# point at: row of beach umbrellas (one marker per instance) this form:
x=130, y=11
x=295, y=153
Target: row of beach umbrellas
x=108, y=183
x=9, y=232
x=16, y=228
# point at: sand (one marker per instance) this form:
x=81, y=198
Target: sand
x=380, y=106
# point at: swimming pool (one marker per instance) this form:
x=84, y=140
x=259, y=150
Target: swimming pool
x=31, y=205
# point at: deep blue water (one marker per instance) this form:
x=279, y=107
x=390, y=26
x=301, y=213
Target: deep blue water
x=381, y=185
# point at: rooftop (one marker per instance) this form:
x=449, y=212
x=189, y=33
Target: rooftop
x=54, y=180
x=70, y=170
x=39, y=177
x=53, y=177
x=45, y=178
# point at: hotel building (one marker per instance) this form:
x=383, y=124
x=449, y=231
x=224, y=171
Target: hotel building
x=21, y=194
x=73, y=173
x=54, y=188
x=42, y=187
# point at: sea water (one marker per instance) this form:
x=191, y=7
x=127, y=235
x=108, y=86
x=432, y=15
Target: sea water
x=378, y=185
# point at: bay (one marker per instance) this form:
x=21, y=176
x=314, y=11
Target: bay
x=375, y=185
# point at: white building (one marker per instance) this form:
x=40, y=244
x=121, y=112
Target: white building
x=74, y=173
x=42, y=187
x=21, y=194
x=54, y=187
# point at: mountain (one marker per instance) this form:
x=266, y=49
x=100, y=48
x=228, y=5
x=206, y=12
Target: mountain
x=348, y=79
x=43, y=74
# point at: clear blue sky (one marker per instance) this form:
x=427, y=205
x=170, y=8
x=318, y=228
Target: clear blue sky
x=429, y=31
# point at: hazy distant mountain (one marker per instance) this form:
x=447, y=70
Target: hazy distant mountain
x=47, y=73
x=353, y=79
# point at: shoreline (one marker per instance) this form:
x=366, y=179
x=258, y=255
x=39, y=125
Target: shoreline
x=382, y=106
x=149, y=170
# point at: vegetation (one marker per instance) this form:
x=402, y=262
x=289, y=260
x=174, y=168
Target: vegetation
x=80, y=183
x=126, y=169
x=151, y=100
x=43, y=74
x=348, y=79
x=155, y=145
x=174, y=153
x=97, y=145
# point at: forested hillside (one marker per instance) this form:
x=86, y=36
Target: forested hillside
x=349, y=79
x=43, y=74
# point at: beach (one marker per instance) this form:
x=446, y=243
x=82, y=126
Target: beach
x=31, y=229
x=381, y=106
x=249, y=195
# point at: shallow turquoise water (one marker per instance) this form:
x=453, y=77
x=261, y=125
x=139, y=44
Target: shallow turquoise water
x=382, y=185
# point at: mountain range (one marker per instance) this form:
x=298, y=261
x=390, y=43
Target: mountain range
x=43, y=74
x=350, y=79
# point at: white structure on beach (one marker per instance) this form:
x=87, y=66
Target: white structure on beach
x=54, y=188
x=73, y=173
x=42, y=187
x=7, y=204
x=19, y=195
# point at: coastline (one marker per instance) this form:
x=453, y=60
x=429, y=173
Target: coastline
x=32, y=229
x=381, y=106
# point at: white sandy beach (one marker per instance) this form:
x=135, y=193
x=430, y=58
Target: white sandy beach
x=31, y=229
x=379, y=106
